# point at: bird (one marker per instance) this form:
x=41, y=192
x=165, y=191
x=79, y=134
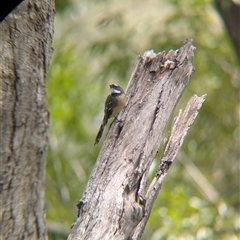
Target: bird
x=114, y=103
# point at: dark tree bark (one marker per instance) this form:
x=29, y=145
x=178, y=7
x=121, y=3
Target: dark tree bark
x=26, y=40
x=230, y=11
x=116, y=203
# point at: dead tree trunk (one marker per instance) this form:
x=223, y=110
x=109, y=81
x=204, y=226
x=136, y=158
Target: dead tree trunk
x=116, y=203
x=26, y=49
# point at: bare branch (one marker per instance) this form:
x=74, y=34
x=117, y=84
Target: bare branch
x=179, y=130
x=202, y=184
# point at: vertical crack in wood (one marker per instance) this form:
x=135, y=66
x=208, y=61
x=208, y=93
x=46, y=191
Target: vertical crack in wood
x=156, y=111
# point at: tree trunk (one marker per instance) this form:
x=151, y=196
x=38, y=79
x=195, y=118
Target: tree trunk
x=26, y=39
x=230, y=11
x=116, y=203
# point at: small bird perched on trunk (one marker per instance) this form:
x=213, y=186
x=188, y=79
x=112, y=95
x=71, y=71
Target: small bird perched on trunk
x=114, y=103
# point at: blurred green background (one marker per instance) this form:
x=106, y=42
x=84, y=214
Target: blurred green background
x=96, y=43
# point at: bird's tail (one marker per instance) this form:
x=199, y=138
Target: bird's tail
x=100, y=131
x=99, y=135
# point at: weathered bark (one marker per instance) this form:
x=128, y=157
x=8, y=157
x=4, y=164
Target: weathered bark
x=26, y=39
x=174, y=142
x=116, y=203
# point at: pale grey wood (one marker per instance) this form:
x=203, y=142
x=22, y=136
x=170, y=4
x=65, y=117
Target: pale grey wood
x=26, y=49
x=114, y=204
x=173, y=144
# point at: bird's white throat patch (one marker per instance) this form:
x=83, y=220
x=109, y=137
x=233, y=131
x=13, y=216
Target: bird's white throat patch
x=114, y=90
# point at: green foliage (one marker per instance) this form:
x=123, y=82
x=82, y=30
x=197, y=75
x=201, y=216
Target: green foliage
x=62, y=5
x=96, y=43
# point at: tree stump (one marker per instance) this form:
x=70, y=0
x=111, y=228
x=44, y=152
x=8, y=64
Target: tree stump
x=117, y=202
